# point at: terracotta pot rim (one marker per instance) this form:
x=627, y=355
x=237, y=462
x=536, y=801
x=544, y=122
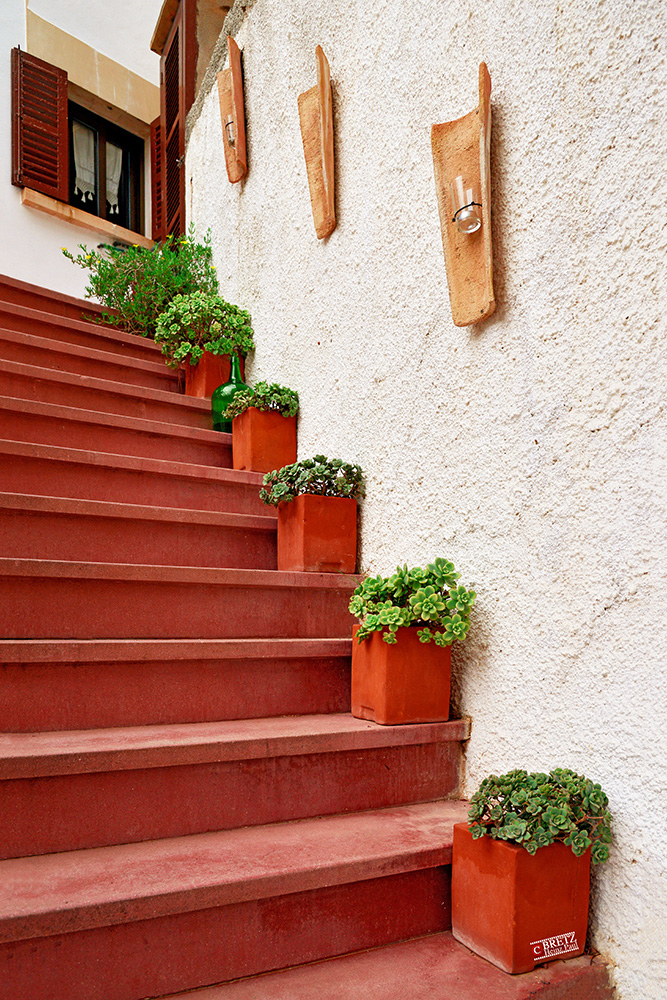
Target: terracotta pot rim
x=511, y=845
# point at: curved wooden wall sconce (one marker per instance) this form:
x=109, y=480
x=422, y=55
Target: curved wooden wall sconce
x=232, y=114
x=316, y=119
x=461, y=163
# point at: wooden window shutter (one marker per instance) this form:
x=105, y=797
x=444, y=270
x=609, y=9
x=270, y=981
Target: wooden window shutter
x=177, y=92
x=157, y=165
x=40, y=147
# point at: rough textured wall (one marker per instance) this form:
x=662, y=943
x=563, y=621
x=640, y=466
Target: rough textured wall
x=531, y=449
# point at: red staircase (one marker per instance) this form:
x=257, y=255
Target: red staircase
x=186, y=799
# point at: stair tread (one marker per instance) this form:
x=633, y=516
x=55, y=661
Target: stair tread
x=29, y=502
x=104, y=331
x=135, y=463
x=97, y=887
x=76, y=350
x=131, y=650
x=437, y=967
x=58, y=411
x=66, y=569
x=28, y=755
x=38, y=372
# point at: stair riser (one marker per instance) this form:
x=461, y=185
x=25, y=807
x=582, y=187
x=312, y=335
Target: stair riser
x=41, y=535
x=61, y=608
x=24, y=386
x=46, y=697
x=116, y=807
x=22, y=293
x=46, y=477
x=94, y=338
x=72, y=433
x=150, y=958
x=45, y=356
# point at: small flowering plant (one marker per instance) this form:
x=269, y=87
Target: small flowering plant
x=430, y=599
x=535, y=810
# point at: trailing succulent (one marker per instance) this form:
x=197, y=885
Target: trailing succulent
x=192, y=324
x=535, y=810
x=430, y=598
x=328, y=477
x=263, y=396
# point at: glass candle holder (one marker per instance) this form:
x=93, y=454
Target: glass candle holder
x=466, y=215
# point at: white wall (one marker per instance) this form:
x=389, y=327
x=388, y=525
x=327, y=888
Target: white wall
x=30, y=249
x=530, y=449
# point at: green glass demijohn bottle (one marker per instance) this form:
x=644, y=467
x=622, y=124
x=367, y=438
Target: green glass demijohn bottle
x=224, y=394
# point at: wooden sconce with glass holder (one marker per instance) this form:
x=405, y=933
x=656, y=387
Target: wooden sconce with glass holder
x=461, y=163
x=232, y=114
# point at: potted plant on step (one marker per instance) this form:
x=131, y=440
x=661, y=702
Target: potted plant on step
x=401, y=649
x=520, y=868
x=264, y=427
x=202, y=332
x=317, y=514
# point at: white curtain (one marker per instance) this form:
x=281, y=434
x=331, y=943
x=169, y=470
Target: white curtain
x=114, y=168
x=84, y=161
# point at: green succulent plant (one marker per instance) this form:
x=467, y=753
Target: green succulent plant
x=429, y=598
x=192, y=324
x=537, y=809
x=329, y=477
x=263, y=396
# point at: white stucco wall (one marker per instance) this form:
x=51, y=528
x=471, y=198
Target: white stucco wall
x=30, y=249
x=531, y=449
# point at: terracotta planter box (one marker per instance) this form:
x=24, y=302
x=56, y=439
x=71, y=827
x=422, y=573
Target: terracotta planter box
x=318, y=534
x=211, y=371
x=263, y=440
x=515, y=909
x=401, y=683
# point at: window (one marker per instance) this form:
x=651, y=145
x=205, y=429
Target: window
x=63, y=150
x=104, y=168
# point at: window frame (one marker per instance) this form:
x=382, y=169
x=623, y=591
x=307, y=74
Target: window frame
x=131, y=144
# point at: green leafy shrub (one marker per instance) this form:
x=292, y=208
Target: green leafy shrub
x=192, y=324
x=265, y=397
x=319, y=475
x=535, y=810
x=138, y=283
x=430, y=598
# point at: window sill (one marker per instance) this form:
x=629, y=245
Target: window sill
x=75, y=216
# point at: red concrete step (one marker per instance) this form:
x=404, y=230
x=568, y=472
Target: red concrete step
x=70, y=427
x=34, y=527
x=71, y=472
x=68, y=389
x=28, y=349
x=45, y=299
x=95, y=788
x=41, y=599
x=169, y=915
x=90, y=335
x=429, y=968
x=68, y=684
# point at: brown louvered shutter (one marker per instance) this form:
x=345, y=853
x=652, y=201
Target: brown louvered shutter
x=40, y=150
x=157, y=160
x=177, y=92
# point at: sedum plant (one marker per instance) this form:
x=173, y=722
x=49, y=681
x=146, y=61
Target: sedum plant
x=429, y=598
x=535, y=810
x=200, y=322
x=328, y=477
x=136, y=284
x=263, y=396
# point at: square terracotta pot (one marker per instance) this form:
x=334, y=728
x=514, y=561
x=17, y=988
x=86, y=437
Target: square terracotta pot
x=263, y=440
x=515, y=909
x=211, y=371
x=318, y=534
x=395, y=684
